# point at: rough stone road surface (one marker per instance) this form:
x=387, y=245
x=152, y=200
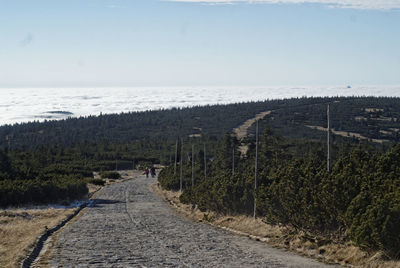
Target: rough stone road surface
x=129, y=226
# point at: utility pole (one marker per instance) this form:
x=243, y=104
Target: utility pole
x=192, y=165
x=176, y=155
x=205, y=162
x=255, y=171
x=328, y=141
x=181, y=161
x=8, y=138
x=233, y=160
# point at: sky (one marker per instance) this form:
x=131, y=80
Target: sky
x=120, y=43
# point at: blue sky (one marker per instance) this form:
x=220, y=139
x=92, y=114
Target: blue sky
x=90, y=43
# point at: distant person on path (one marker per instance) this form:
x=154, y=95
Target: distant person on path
x=153, y=172
x=146, y=171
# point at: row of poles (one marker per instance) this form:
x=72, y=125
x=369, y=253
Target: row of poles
x=181, y=165
x=233, y=160
x=205, y=165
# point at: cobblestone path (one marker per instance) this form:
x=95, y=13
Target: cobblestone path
x=129, y=226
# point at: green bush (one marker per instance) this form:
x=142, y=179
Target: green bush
x=112, y=175
x=100, y=182
x=373, y=216
x=17, y=192
x=64, y=169
x=359, y=197
x=168, y=180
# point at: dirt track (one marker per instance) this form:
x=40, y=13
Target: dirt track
x=241, y=131
x=132, y=227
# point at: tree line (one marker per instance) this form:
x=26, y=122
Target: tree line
x=373, y=117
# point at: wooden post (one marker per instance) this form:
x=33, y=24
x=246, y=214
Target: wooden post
x=205, y=162
x=255, y=172
x=233, y=160
x=328, y=142
x=8, y=138
x=176, y=155
x=181, y=164
x=192, y=165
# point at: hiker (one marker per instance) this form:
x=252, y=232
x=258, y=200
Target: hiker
x=146, y=171
x=153, y=172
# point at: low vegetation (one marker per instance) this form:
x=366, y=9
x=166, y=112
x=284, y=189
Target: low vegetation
x=155, y=131
x=357, y=201
x=96, y=181
x=112, y=175
x=15, y=192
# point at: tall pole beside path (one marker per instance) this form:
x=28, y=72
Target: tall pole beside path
x=255, y=172
x=181, y=164
x=328, y=141
x=233, y=161
x=192, y=165
x=176, y=155
x=205, y=162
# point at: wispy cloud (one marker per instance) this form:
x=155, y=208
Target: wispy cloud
x=28, y=39
x=355, y=4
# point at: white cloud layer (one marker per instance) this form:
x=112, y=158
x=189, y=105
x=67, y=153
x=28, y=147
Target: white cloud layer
x=355, y=4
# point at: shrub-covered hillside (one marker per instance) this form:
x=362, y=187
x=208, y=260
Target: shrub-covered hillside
x=358, y=200
x=64, y=153
x=372, y=117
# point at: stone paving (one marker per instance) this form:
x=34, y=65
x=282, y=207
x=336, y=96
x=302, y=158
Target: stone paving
x=129, y=226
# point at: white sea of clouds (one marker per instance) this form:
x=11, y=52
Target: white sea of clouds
x=355, y=4
x=38, y=104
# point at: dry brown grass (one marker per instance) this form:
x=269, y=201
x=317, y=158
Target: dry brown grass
x=20, y=229
x=93, y=188
x=320, y=248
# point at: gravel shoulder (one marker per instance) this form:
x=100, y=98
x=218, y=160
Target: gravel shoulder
x=130, y=226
